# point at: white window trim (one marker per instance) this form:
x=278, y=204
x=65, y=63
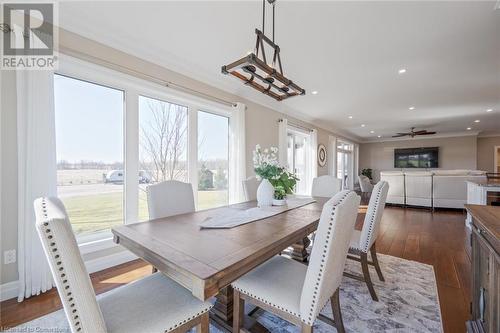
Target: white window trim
x=133, y=87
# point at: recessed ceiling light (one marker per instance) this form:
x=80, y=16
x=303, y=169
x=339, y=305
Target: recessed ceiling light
x=477, y=121
x=350, y=117
x=468, y=128
x=402, y=71
x=379, y=136
x=411, y=108
x=363, y=125
x=372, y=132
x=314, y=92
x=489, y=110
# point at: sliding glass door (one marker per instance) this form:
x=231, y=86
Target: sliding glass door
x=345, y=164
x=297, y=158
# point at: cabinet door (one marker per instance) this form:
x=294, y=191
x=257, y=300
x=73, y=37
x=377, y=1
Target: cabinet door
x=480, y=279
x=495, y=295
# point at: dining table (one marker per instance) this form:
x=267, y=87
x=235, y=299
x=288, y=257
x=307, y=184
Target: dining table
x=207, y=260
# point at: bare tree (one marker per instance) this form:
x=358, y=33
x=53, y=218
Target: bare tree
x=163, y=141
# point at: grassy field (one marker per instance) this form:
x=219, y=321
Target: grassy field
x=91, y=213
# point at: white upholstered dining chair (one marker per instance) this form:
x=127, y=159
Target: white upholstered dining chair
x=365, y=184
x=326, y=186
x=152, y=304
x=363, y=241
x=169, y=198
x=250, y=186
x=294, y=291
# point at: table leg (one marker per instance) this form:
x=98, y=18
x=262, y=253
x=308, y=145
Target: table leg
x=222, y=314
x=299, y=252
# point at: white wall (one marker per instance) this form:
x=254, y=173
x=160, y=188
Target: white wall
x=454, y=153
x=486, y=153
x=8, y=217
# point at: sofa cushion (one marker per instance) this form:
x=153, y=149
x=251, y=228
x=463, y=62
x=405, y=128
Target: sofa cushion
x=418, y=173
x=451, y=172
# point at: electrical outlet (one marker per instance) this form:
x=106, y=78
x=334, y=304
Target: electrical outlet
x=9, y=257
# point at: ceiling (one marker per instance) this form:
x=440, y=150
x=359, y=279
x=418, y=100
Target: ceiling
x=350, y=52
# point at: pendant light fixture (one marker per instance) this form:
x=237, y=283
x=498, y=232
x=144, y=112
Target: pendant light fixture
x=254, y=70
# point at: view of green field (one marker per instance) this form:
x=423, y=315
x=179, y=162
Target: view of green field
x=98, y=212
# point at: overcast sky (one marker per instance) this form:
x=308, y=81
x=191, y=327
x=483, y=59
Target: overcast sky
x=89, y=123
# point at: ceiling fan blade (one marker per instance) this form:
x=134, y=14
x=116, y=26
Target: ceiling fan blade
x=400, y=135
x=426, y=133
x=407, y=133
x=419, y=132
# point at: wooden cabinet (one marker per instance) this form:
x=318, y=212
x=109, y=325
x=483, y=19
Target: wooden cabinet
x=485, y=269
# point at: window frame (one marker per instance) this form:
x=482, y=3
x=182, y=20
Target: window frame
x=133, y=87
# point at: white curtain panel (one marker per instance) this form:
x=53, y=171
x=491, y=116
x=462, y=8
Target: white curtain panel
x=237, y=170
x=313, y=158
x=283, y=141
x=332, y=151
x=37, y=173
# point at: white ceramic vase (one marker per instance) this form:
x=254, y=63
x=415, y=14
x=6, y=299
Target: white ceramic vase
x=265, y=193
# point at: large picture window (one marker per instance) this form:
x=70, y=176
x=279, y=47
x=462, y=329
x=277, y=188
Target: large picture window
x=89, y=148
x=163, y=145
x=117, y=134
x=213, y=160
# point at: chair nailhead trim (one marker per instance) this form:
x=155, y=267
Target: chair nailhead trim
x=246, y=292
x=310, y=319
x=51, y=243
x=366, y=247
x=203, y=311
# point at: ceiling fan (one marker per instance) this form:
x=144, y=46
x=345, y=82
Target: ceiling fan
x=413, y=133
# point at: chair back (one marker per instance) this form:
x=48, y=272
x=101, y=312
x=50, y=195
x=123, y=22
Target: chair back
x=329, y=253
x=68, y=270
x=250, y=186
x=373, y=216
x=326, y=186
x=364, y=183
x=170, y=198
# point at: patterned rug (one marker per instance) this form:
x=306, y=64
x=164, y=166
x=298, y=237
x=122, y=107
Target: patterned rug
x=408, y=302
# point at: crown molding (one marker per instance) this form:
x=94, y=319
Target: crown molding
x=435, y=136
x=492, y=135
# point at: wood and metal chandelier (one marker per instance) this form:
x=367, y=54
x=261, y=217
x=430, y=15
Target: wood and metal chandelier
x=254, y=70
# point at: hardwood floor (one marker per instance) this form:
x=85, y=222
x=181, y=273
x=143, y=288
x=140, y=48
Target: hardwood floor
x=435, y=238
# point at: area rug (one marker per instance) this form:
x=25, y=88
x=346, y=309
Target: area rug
x=408, y=302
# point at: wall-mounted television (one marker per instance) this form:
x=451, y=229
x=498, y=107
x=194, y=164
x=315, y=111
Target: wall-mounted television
x=425, y=157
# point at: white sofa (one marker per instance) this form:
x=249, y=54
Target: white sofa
x=418, y=188
x=396, y=180
x=450, y=188
x=437, y=188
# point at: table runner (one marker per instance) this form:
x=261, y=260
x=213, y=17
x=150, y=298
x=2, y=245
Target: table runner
x=231, y=217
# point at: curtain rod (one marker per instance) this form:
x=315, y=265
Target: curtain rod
x=127, y=70
x=296, y=125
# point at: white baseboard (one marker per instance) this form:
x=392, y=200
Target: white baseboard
x=10, y=289
x=115, y=259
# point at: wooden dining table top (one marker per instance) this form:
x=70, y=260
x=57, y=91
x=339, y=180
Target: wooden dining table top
x=207, y=260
